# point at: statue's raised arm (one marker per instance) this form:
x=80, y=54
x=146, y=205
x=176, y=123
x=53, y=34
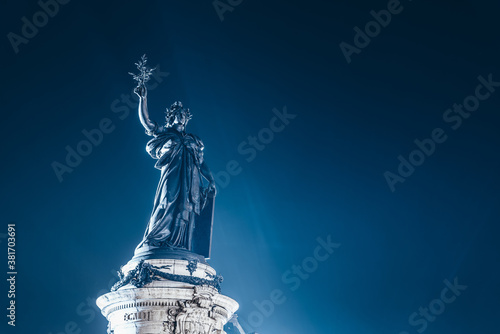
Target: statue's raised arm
x=142, y=77
x=146, y=122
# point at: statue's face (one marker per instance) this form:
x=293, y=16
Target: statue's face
x=180, y=119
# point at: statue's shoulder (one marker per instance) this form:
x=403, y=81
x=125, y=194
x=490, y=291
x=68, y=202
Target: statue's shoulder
x=160, y=137
x=162, y=131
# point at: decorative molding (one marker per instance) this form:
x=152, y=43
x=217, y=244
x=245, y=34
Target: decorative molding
x=145, y=273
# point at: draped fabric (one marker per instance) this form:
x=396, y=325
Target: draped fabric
x=179, y=195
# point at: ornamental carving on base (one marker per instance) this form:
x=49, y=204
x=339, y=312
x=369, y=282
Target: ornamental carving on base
x=199, y=316
x=169, y=324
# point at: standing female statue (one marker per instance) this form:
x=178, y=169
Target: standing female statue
x=181, y=195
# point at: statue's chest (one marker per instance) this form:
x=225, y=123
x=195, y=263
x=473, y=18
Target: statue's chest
x=183, y=143
x=189, y=143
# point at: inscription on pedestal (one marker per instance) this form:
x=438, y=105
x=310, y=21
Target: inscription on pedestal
x=137, y=316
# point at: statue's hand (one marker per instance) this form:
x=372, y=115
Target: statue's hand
x=212, y=189
x=141, y=91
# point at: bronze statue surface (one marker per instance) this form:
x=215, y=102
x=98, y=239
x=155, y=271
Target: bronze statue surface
x=181, y=218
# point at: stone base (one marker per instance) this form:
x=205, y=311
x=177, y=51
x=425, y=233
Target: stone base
x=167, y=306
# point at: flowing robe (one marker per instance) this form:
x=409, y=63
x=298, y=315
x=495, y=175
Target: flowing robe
x=180, y=194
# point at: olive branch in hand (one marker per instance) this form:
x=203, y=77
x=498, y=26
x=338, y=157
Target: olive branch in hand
x=144, y=72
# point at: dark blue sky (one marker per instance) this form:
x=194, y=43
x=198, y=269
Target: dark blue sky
x=321, y=175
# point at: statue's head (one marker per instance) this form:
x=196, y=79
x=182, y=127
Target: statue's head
x=177, y=115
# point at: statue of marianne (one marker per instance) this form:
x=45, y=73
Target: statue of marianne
x=181, y=194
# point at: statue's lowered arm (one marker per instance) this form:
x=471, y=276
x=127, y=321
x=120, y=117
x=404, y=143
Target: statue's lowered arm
x=207, y=174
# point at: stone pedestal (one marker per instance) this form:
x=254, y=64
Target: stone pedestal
x=167, y=296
